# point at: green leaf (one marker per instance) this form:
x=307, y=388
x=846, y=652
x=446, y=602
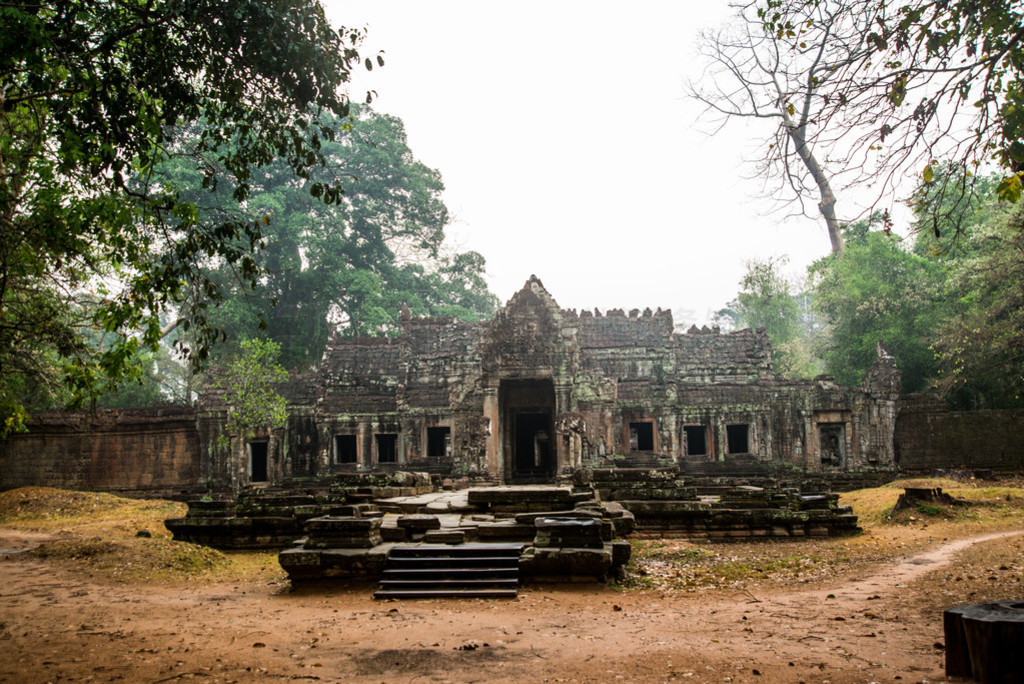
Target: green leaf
x=1009, y=189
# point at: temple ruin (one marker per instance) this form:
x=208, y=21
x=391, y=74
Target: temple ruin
x=538, y=393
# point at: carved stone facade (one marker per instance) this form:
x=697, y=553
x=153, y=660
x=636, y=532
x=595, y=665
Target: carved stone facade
x=538, y=392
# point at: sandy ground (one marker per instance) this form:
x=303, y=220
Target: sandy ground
x=874, y=625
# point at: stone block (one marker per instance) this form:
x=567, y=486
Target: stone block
x=502, y=531
x=447, y=536
x=353, y=563
x=419, y=522
x=347, y=525
x=583, y=514
x=567, y=564
x=557, y=532
x=622, y=551
x=337, y=541
x=489, y=496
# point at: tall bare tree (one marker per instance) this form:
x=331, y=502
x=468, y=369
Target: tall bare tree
x=874, y=92
x=754, y=73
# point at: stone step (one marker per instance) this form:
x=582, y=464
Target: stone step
x=441, y=550
x=444, y=593
x=458, y=583
x=414, y=573
x=437, y=570
x=454, y=562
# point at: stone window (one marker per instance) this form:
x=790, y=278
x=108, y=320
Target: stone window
x=387, y=448
x=439, y=441
x=345, y=449
x=696, y=440
x=258, y=471
x=832, y=440
x=738, y=439
x=641, y=436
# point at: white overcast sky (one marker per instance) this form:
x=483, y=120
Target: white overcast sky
x=569, y=150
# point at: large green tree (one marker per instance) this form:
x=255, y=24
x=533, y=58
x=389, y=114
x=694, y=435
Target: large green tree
x=878, y=291
x=347, y=267
x=979, y=242
x=768, y=299
x=92, y=95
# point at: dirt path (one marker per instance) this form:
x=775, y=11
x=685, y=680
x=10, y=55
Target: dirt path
x=55, y=625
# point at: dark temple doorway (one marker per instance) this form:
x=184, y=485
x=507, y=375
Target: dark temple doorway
x=258, y=471
x=528, y=408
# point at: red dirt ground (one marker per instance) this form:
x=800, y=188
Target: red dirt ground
x=875, y=624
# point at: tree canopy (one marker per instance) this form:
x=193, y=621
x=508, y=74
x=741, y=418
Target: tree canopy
x=94, y=94
x=878, y=291
x=249, y=383
x=929, y=81
x=347, y=267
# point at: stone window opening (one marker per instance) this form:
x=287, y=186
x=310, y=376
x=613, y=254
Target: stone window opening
x=258, y=462
x=641, y=436
x=345, y=451
x=737, y=439
x=387, y=448
x=439, y=442
x=832, y=441
x=696, y=440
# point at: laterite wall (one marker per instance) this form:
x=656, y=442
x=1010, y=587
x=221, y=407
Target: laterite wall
x=153, y=451
x=929, y=436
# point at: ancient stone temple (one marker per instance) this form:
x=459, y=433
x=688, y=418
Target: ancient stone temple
x=538, y=392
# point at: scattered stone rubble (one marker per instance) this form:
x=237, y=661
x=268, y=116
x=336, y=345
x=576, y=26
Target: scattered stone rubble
x=568, y=532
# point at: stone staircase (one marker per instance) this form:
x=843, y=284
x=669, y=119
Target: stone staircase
x=451, y=571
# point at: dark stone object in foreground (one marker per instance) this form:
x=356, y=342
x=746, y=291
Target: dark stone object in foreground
x=985, y=641
x=912, y=496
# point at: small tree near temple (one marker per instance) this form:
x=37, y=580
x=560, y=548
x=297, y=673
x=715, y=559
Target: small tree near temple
x=249, y=390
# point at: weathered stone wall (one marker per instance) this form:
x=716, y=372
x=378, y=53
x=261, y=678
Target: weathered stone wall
x=136, y=451
x=929, y=436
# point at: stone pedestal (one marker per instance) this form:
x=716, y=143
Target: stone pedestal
x=985, y=641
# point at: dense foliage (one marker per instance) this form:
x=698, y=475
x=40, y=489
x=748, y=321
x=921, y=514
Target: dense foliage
x=877, y=291
x=979, y=343
x=347, y=267
x=924, y=80
x=946, y=304
x=92, y=95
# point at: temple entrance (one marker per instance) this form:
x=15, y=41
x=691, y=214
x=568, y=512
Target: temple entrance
x=258, y=470
x=528, y=408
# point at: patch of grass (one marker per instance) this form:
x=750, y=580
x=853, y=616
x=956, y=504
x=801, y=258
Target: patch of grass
x=97, y=533
x=681, y=565
x=996, y=505
x=666, y=564
x=45, y=509
x=926, y=509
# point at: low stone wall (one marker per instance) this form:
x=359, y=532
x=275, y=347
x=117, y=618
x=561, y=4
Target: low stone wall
x=929, y=436
x=139, y=452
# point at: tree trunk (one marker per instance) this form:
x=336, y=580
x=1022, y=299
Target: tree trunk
x=827, y=205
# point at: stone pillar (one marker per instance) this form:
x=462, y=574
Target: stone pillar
x=563, y=404
x=364, y=446
x=812, y=458
x=668, y=426
x=495, y=461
